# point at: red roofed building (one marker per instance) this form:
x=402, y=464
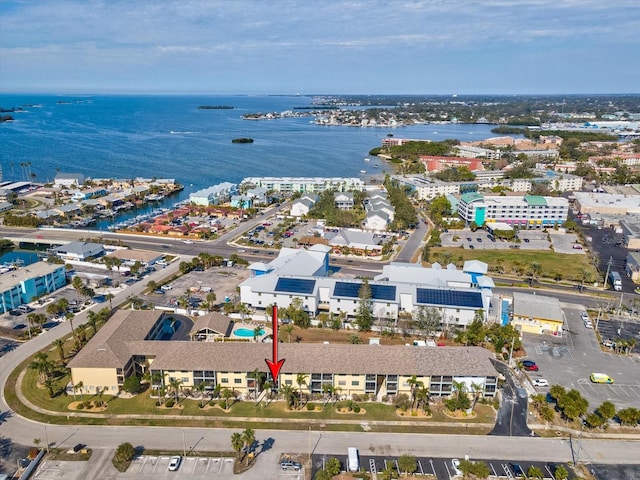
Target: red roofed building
x=437, y=164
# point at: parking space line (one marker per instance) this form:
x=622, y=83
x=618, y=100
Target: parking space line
x=495, y=474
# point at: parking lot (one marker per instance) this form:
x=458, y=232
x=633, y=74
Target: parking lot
x=157, y=467
x=570, y=360
x=529, y=240
x=441, y=468
x=199, y=283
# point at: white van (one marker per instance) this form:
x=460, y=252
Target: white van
x=353, y=464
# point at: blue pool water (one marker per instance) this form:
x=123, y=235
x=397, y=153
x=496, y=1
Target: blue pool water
x=245, y=332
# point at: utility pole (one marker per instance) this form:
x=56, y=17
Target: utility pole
x=604, y=285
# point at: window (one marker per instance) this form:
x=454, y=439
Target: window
x=288, y=382
x=224, y=380
x=184, y=379
x=342, y=383
x=237, y=380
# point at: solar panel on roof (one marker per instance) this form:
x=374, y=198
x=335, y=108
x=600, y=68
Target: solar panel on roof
x=295, y=285
x=452, y=298
x=383, y=292
x=352, y=290
x=346, y=289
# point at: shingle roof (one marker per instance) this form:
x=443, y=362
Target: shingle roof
x=323, y=358
x=214, y=321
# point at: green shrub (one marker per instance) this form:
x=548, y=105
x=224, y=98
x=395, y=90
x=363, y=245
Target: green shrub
x=223, y=404
x=80, y=406
x=170, y=403
x=356, y=408
x=211, y=403
x=310, y=407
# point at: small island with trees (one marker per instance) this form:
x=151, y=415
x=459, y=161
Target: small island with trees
x=216, y=107
x=242, y=140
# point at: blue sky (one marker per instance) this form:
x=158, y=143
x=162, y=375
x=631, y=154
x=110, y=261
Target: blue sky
x=320, y=46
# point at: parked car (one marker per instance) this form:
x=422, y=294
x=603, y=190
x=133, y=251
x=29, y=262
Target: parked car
x=166, y=288
x=174, y=463
x=188, y=242
x=600, y=378
x=530, y=365
x=517, y=469
x=584, y=316
x=540, y=382
x=290, y=465
x=455, y=463
x=526, y=240
x=588, y=324
x=608, y=343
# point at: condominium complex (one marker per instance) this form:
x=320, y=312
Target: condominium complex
x=22, y=285
x=305, y=184
x=137, y=342
x=402, y=288
x=528, y=211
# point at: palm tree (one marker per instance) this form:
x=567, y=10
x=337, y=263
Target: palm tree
x=226, y=393
x=174, y=384
x=535, y=270
x=258, y=377
x=58, y=343
x=49, y=383
x=248, y=437
x=301, y=379
x=290, y=395
x=237, y=442
x=156, y=381
x=109, y=297
x=80, y=387
x=92, y=320
x=77, y=284
x=415, y=384
x=477, y=390
x=42, y=365
x=200, y=389
x=422, y=397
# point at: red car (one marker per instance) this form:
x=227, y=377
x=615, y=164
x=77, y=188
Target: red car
x=529, y=365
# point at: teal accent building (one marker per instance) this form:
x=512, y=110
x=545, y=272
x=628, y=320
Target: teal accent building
x=21, y=286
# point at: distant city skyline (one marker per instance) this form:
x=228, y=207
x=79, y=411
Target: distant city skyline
x=320, y=47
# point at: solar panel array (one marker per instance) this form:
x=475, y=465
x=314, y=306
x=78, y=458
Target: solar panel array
x=452, y=298
x=295, y=285
x=352, y=290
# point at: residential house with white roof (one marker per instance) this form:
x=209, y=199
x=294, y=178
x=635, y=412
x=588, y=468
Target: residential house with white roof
x=301, y=206
x=79, y=251
x=343, y=200
x=214, y=195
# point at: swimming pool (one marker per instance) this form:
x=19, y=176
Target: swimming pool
x=246, y=332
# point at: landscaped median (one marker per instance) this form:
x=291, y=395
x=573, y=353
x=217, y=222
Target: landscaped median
x=26, y=397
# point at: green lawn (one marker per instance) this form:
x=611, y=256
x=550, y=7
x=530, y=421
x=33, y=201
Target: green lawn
x=569, y=266
x=143, y=404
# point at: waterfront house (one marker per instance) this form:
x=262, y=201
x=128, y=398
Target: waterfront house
x=79, y=251
x=68, y=180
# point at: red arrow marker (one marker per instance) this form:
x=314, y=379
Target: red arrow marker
x=275, y=365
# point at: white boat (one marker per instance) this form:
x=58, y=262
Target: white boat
x=367, y=159
x=363, y=171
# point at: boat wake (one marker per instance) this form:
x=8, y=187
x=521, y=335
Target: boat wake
x=177, y=132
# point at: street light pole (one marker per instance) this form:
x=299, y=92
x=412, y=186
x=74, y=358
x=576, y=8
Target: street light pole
x=309, y=442
x=46, y=437
x=184, y=445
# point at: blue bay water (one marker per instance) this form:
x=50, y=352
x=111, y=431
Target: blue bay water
x=131, y=136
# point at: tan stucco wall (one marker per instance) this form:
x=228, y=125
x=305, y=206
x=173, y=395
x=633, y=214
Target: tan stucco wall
x=96, y=377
